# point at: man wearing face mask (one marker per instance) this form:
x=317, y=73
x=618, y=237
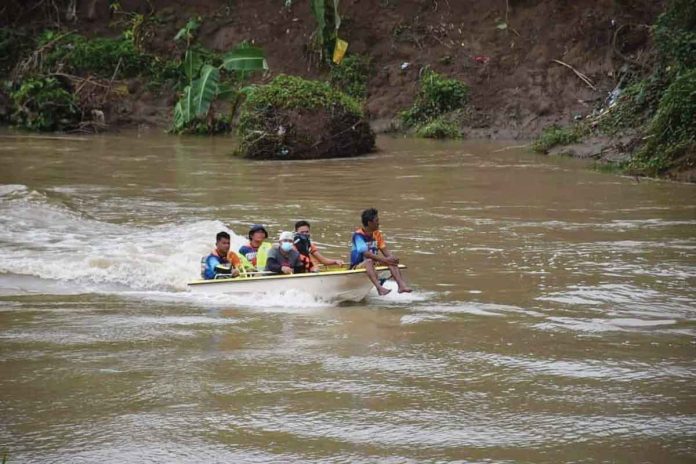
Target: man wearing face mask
x=284, y=259
x=309, y=253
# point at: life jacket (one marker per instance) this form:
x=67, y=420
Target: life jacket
x=262, y=255
x=240, y=262
x=303, y=245
x=256, y=256
x=361, y=242
x=204, y=262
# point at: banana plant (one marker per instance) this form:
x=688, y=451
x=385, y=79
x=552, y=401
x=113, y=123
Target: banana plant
x=328, y=22
x=206, y=88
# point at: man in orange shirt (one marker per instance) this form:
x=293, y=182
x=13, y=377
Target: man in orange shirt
x=367, y=242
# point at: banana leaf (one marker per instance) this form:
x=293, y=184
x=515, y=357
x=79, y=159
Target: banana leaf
x=319, y=11
x=182, y=110
x=197, y=98
x=204, y=90
x=192, y=63
x=244, y=59
x=227, y=92
x=337, y=17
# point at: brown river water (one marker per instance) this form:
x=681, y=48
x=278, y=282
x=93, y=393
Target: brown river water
x=553, y=317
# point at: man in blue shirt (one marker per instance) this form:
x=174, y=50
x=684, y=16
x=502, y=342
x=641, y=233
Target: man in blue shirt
x=366, y=244
x=220, y=260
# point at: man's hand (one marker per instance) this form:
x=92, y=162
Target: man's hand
x=338, y=262
x=391, y=260
x=235, y=272
x=286, y=270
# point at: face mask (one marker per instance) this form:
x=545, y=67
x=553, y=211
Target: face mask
x=286, y=246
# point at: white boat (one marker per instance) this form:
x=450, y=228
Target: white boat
x=332, y=284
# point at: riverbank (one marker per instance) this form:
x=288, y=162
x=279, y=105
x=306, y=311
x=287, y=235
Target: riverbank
x=526, y=66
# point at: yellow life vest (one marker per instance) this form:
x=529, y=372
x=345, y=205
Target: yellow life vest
x=244, y=265
x=262, y=255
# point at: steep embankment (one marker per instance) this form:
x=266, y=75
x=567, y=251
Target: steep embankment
x=502, y=69
x=504, y=50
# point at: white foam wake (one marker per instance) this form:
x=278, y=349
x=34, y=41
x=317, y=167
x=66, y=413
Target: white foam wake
x=39, y=237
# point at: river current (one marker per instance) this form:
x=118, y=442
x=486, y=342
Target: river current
x=553, y=317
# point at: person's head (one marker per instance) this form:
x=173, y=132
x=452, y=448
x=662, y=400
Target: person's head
x=370, y=219
x=285, y=241
x=257, y=234
x=302, y=227
x=222, y=242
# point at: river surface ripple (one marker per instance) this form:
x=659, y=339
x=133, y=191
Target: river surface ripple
x=553, y=318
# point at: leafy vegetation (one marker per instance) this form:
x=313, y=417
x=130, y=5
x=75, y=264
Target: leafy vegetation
x=437, y=96
x=439, y=128
x=672, y=132
x=100, y=56
x=328, y=20
x=556, y=135
x=660, y=107
x=188, y=32
x=297, y=118
x=293, y=92
x=634, y=107
x=675, y=33
x=44, y=104
x=192, y=111
x=351, y=75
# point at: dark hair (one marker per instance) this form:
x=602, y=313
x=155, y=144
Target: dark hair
x=301, y=223
x=222, y=235
x=256, y=228
x=368, y=215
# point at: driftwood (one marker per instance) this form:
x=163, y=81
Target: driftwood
x=582, y=76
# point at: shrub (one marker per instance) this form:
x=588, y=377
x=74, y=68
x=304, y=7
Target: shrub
x=292, y=92
x=351, y=76
x=672, y=132
x=636, y=104
x=675, y=33
x=437, y=95
x=439, y=129
x=44, y=104
x=100, y=56
x=676, y=114
x=555, y=135
x=294, y=118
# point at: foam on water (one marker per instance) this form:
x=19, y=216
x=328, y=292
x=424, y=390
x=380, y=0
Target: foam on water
x=394, y=297
x=44, y=238
x=290, y=301
x=47, y=247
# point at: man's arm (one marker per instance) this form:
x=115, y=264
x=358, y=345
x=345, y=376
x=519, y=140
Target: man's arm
x=389, y=259
x=326, y=261
x=374, y=257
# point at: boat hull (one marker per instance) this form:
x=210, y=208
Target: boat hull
x=343, y=285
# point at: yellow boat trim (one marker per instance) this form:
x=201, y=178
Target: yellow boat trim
x=290, y=276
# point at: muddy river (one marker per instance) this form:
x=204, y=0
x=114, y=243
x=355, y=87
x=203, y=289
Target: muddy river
x=553, y=317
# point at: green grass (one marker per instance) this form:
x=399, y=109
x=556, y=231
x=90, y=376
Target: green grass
x=437, y=95
x=554, y=136
x=439, y=129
